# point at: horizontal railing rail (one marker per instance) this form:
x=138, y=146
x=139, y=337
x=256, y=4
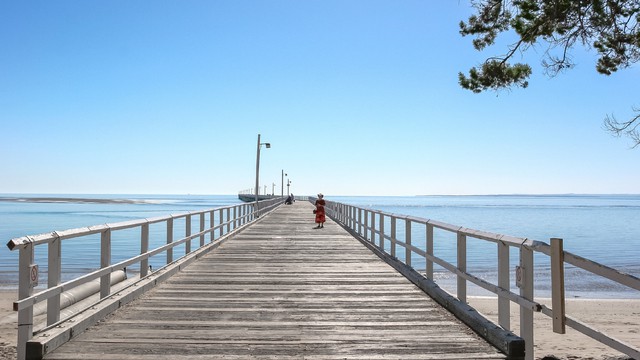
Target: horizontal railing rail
x=222, y=222
x=380, y=229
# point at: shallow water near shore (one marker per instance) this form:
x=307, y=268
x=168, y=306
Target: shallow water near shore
x=603, y=228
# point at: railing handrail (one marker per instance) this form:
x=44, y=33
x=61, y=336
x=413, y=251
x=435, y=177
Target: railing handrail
x=228, y=223
x=361, y=221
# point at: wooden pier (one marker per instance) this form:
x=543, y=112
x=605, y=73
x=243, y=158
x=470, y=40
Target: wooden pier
x=281, y=289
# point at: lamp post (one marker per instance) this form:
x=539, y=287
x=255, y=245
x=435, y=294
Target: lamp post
x=288, y=184
x=282, y=184
x=267, y=145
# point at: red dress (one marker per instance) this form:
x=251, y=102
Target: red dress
x=320, y=217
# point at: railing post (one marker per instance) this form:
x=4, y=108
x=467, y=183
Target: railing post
x=25, y=290
x=359, y=221
x=366, y=224
x=373, y=228
x=557, y=286
x=105, y=260
x=429, y=268
x=212, y=224
x=170, y=240
x=187, y=233
x=235, y=217
x=382, y=232
x=526, y=291
x=407, y=249
x=221, y=219
x=462, y=266
x=201, y=229
x=504, y=304
x=53, y=279
x=255, y=216
x=393, y=236
x=144, y=247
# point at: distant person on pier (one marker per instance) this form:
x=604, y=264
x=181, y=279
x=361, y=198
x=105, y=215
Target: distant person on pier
x=289, y=200
x=293, y=199
x=320, y=216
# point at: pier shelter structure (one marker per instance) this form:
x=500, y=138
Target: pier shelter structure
x=276, y=288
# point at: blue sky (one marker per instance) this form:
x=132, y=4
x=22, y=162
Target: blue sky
x=356, y=98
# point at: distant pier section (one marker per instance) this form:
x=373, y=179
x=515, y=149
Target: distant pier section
x=252, y=197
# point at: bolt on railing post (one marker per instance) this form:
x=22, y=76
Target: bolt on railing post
x=169, y=240
x=144, y=247
x=53, y=279
x=526, y=291
x=407, y=250
x=429, y=269
x=105, y=260
x=462, y=266
x=504, y=304
x=25, y=290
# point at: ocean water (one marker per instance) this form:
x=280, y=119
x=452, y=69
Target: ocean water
x=603, y=228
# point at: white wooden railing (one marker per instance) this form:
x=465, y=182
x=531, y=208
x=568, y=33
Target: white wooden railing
x=222, y=222
x=380, y=230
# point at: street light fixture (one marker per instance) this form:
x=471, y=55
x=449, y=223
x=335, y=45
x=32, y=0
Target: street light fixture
x=282, y=184
x=267, y=145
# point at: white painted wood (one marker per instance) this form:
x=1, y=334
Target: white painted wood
x=169, y=240
x=144, y=248
x=393, y=236
x=373, y=227
x=212, y=224
x=462, y=267
x=187, y=233
x=407, y=239
x=429, y=269
x=105, y=261
x=504, y=305
x=54, y=276
x=25, y=316
x=526, y=291
x=557, y=285
x=381, y=234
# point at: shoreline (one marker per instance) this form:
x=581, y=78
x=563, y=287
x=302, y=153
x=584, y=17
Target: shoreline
x=619, y=318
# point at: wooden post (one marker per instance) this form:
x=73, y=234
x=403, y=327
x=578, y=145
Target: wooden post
x=105, y=260
x=212, y=223
x=557, y=286
x=526, y=291
x=366, y=224
x=504, y=304
x=235, y=217
x=255, y=216
x=381, y=232
x=187, y=233
x=201, y=229
x=393, y=236
x=429, y=251
x=407, y=238
x=462, y=266
x=25, y=290
x=221, y=219
x=373, y=227
x=169, y=240
x=53, y=279
x=144, y=247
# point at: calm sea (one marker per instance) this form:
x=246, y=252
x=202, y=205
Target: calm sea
x=603, y=228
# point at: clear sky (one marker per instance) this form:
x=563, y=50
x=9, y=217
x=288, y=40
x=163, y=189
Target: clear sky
x=356, y=97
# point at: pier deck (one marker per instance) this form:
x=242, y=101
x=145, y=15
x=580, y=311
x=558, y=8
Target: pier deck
x=282, y=290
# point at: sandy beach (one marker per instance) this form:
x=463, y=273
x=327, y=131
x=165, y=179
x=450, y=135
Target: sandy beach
x=617, y=318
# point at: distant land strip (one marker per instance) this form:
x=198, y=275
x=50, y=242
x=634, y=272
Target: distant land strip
x=72, y=200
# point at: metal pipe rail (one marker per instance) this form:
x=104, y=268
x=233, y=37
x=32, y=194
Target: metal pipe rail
x=378, y=228
x=229, y=219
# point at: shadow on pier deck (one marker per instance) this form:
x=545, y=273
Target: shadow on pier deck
x=283, y=290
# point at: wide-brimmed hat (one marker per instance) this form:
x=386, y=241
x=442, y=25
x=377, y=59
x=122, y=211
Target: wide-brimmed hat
x=320, y=195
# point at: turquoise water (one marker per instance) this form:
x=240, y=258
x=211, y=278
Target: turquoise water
x=603, y=228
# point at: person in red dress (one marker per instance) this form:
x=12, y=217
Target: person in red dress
x=320, y=215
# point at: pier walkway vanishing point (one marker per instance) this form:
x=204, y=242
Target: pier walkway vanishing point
x=280, y=289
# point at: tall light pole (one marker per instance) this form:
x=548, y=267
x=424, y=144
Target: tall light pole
x=258, y=170
x=288, y=184
x=282, y=184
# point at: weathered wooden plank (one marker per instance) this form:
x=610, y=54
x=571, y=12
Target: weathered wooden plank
x=283, y=290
